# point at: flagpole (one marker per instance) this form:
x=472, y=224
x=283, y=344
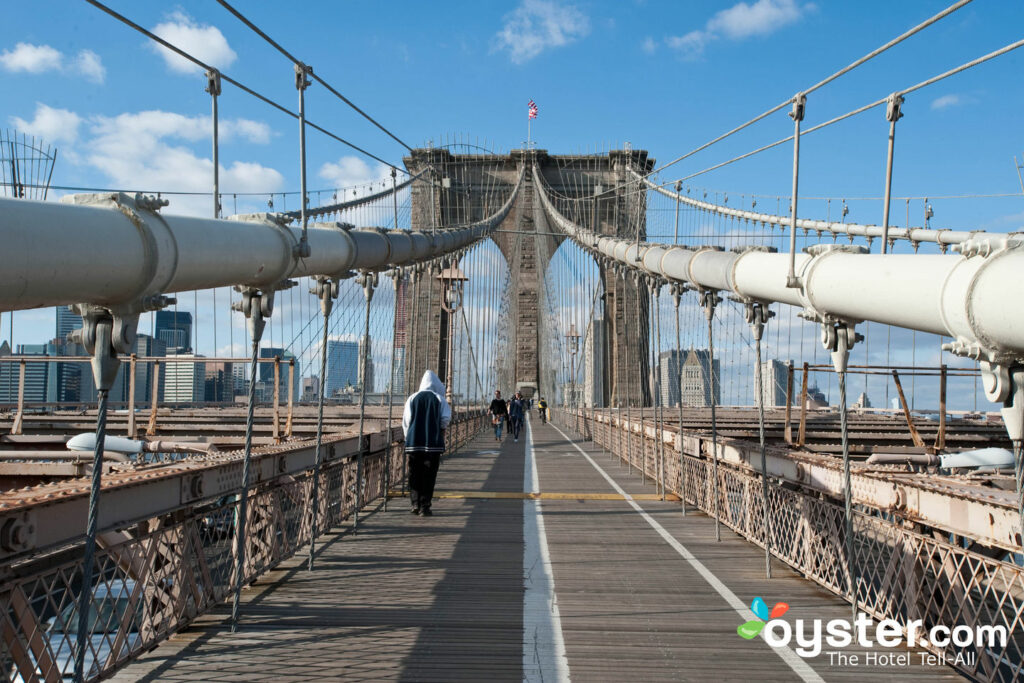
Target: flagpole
x=528, y=122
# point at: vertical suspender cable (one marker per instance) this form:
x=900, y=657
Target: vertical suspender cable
x=658, y=395
x=757, y=316
x=851, y=571
x=326, y=290
x=893, y=114
x=256, y=330
x=368, y=281
x=642, y=329
x=797, y=114
x=629, y=394
x=88, y=554
x=677, y=291
x=710, y=301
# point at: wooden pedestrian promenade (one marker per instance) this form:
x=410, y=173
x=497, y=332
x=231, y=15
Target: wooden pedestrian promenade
x=590, y=586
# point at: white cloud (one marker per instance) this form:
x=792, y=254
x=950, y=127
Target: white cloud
x=37, y=59
x=759, y=19
x=946, y=101
x=52, y=125
x=537, y=25
x=254, y=131
x=152, y=150
x=88, y=64
x=350, y=171
x=204, y=42
x=34, y=59
x=740, y=21
x=649, y=46
x=691, y=45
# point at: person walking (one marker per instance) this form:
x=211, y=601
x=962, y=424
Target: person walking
x=516, y=410
x=542, y=410
x=499, y=411
x=424, y=421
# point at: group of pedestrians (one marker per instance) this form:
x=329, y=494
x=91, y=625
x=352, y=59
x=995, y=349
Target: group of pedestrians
x=514, y=410
x=426, y=418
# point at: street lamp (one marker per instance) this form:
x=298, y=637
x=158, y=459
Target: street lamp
x=453, y=282
x=573, y=339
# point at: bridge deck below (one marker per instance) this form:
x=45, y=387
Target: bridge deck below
x=444, y=598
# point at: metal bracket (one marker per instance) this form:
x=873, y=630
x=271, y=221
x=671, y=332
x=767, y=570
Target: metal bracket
x=257, y=305
x=799, y=104
x=302, y=72
x=107, y=332
x=213, y=82
x=368, y=281
x=838, y=337
x=326, y=290
x=709, y=299
x=757, y=314
x=893, y=107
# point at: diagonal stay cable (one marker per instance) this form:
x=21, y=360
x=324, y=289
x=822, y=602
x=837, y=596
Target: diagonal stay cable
x=853, y=65
x=318, y=79
x=859, y=110
x=203, y=65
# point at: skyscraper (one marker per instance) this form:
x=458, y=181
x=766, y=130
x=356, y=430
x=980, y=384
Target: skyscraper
x=774, y=376
x=342, y=365
x=67, y=322
x=593, y=364
x=366, y=356
x=148, y=347
x=669, y=365
x=185, y=380
x=174, y=328
x=697, y=376
x=266, y=372
x=218, y=383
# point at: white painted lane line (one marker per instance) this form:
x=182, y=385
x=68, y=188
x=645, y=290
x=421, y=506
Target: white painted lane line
x=792, y=659
x=543, y=646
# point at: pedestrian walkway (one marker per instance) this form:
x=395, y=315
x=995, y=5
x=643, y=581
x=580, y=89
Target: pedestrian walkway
x=611, y=587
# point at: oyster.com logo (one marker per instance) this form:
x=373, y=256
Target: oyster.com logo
x=812, y=636
x=759, y=607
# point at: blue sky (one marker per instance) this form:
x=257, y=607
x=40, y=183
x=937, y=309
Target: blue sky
x=664, y=76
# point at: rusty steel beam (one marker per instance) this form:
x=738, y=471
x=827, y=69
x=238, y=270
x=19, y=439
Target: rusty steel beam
x=36, y=519
x=988, y=516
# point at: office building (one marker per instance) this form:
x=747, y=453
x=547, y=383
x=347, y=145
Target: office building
x=266, y=373
x=698, y=377
x=366, y=356
x=174, y=329
x=774, y=376
x=185, y=379
x=342, y=366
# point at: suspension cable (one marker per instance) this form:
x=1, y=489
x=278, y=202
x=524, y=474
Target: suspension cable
x=206, y=67
x=324, y=83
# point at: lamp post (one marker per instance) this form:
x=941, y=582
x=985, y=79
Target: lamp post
x=573, y=344
x=453, y=282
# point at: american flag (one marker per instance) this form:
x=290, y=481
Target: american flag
x=533, y=109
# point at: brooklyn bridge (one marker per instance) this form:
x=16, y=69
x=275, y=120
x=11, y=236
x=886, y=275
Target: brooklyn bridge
x=777, y=444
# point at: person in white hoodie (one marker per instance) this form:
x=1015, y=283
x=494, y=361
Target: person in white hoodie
x=424, y=421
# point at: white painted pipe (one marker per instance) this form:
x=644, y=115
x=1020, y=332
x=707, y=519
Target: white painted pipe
x=973, y=297
x=943, y=237
x=111, y=250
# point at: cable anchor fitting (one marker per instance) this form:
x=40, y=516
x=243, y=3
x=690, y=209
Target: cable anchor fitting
x=799, y=104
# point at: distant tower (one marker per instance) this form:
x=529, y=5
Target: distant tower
x=26, y=165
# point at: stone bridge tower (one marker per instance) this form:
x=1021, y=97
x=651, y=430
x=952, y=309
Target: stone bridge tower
x=463, y=186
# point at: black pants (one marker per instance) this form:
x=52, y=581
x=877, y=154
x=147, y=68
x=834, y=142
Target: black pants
x=514, y=425
x=422, y=475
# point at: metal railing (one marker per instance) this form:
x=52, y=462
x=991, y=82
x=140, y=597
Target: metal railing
x=902, y=573
x=154, y=577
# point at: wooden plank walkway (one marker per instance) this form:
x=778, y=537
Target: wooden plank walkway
x=442, y=598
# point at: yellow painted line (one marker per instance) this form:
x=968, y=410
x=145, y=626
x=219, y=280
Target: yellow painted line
x=521, y=495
